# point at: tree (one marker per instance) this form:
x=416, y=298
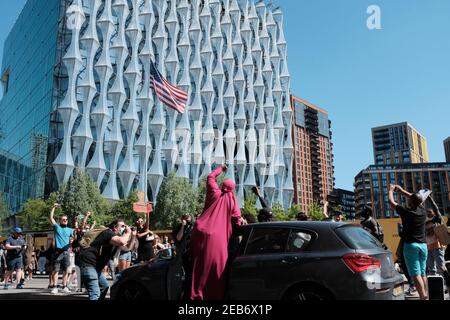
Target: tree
x=35, y=215
x=176, y=197
x=294, y=211
x=249, y=206
x=124, y=208
x=316, y=212
x=279, y=213
x=4, y=213
x=81, y=195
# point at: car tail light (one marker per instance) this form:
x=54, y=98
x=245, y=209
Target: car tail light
x=358, y=262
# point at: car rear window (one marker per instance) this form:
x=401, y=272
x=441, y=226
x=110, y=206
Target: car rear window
x=357, y=238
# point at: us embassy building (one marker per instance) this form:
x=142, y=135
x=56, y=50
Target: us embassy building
x=77, y=94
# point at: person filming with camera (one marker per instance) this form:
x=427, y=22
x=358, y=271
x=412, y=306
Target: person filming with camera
x=98, y=247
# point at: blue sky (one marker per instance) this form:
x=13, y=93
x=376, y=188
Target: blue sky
x=363, y=78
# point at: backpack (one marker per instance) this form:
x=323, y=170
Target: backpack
x=90, y=236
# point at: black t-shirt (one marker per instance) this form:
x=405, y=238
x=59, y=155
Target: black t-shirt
x=100, y=251
x=144, y=244
x=413, y=222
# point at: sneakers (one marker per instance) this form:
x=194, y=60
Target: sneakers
x=7, y=286
x=19, y=286
x=412, y=292
x=54, y=290
x=66, y=290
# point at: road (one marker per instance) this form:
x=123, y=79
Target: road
x=36, y=289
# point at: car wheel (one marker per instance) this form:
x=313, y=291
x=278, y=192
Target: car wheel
x=309, y=293
x=132, y=291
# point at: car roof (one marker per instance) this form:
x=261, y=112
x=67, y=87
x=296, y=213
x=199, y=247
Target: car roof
x=316, y=225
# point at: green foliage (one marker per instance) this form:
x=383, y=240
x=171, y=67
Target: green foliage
x=124, y=209
x=4, y=213
x=35, y=215
x=176, y=197
x=315, y=212
x=249, y=206
x=81, y=195
x=279, y=213
x=293, y=211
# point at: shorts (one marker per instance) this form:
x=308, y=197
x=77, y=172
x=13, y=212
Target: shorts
x=61, y=261
x=14, y=264
x=416, y=258
x=126, y=256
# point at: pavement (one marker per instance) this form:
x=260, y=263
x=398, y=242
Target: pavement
x=36, y=289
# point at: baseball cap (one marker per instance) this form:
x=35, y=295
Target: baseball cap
x=17, y=230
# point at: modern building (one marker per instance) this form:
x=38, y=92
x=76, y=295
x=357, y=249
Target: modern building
x=447, y=149
x=346, y=200
x=372, y=185
x=77, y=95
x=313, y=154
x=399, y=143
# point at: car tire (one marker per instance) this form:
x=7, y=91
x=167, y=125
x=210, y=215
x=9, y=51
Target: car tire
x=132, y=291
x=309, y=293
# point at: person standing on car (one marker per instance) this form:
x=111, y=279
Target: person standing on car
x=95, y=257
x=182, y=236
x=145, y=238
x=265, y=214
x=415, y=246
x=210, y=236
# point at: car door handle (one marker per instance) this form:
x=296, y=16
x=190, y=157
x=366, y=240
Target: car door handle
x=290, y=260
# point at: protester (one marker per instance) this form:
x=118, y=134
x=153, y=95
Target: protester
x=15, y=246
x=210, y=236
x=61, y=260
x=414, y=248
x=50, y=255
x=265, y=214
x=41, y=260
x=29, y=258
x=181, y=236
x=145, y=238
x=126, y=252
x=96, y=255
x=157, y=245
x=2, y=262
x=412, y=290
x=436, y=251
x=301, y=216
x=370, y=224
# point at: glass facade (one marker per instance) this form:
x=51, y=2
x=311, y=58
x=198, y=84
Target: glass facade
x=27, y=72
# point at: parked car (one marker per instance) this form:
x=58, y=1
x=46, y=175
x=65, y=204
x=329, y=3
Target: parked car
x=283, y=260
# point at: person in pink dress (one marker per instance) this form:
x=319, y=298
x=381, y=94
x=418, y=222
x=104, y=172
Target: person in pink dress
x=210, y=236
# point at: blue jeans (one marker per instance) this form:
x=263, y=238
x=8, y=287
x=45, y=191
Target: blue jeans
x=95, y=283
x=436, y=261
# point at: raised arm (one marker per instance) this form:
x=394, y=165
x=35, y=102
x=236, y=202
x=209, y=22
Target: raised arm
x=52, y=214
x=325, y=210
x=211, y=182
x=436, y=208
x=261, y=199
x=392, y=201
x=400, y=189
x=86, y=217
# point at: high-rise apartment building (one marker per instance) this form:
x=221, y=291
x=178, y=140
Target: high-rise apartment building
x=313, y=154
x=447, y=149
x=399, y=143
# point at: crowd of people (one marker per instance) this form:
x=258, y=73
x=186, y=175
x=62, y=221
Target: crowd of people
x=87, y=255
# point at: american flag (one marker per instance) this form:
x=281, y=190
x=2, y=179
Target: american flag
x=167, y=93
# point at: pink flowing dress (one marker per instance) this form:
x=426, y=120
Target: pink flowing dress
x=210, y=237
